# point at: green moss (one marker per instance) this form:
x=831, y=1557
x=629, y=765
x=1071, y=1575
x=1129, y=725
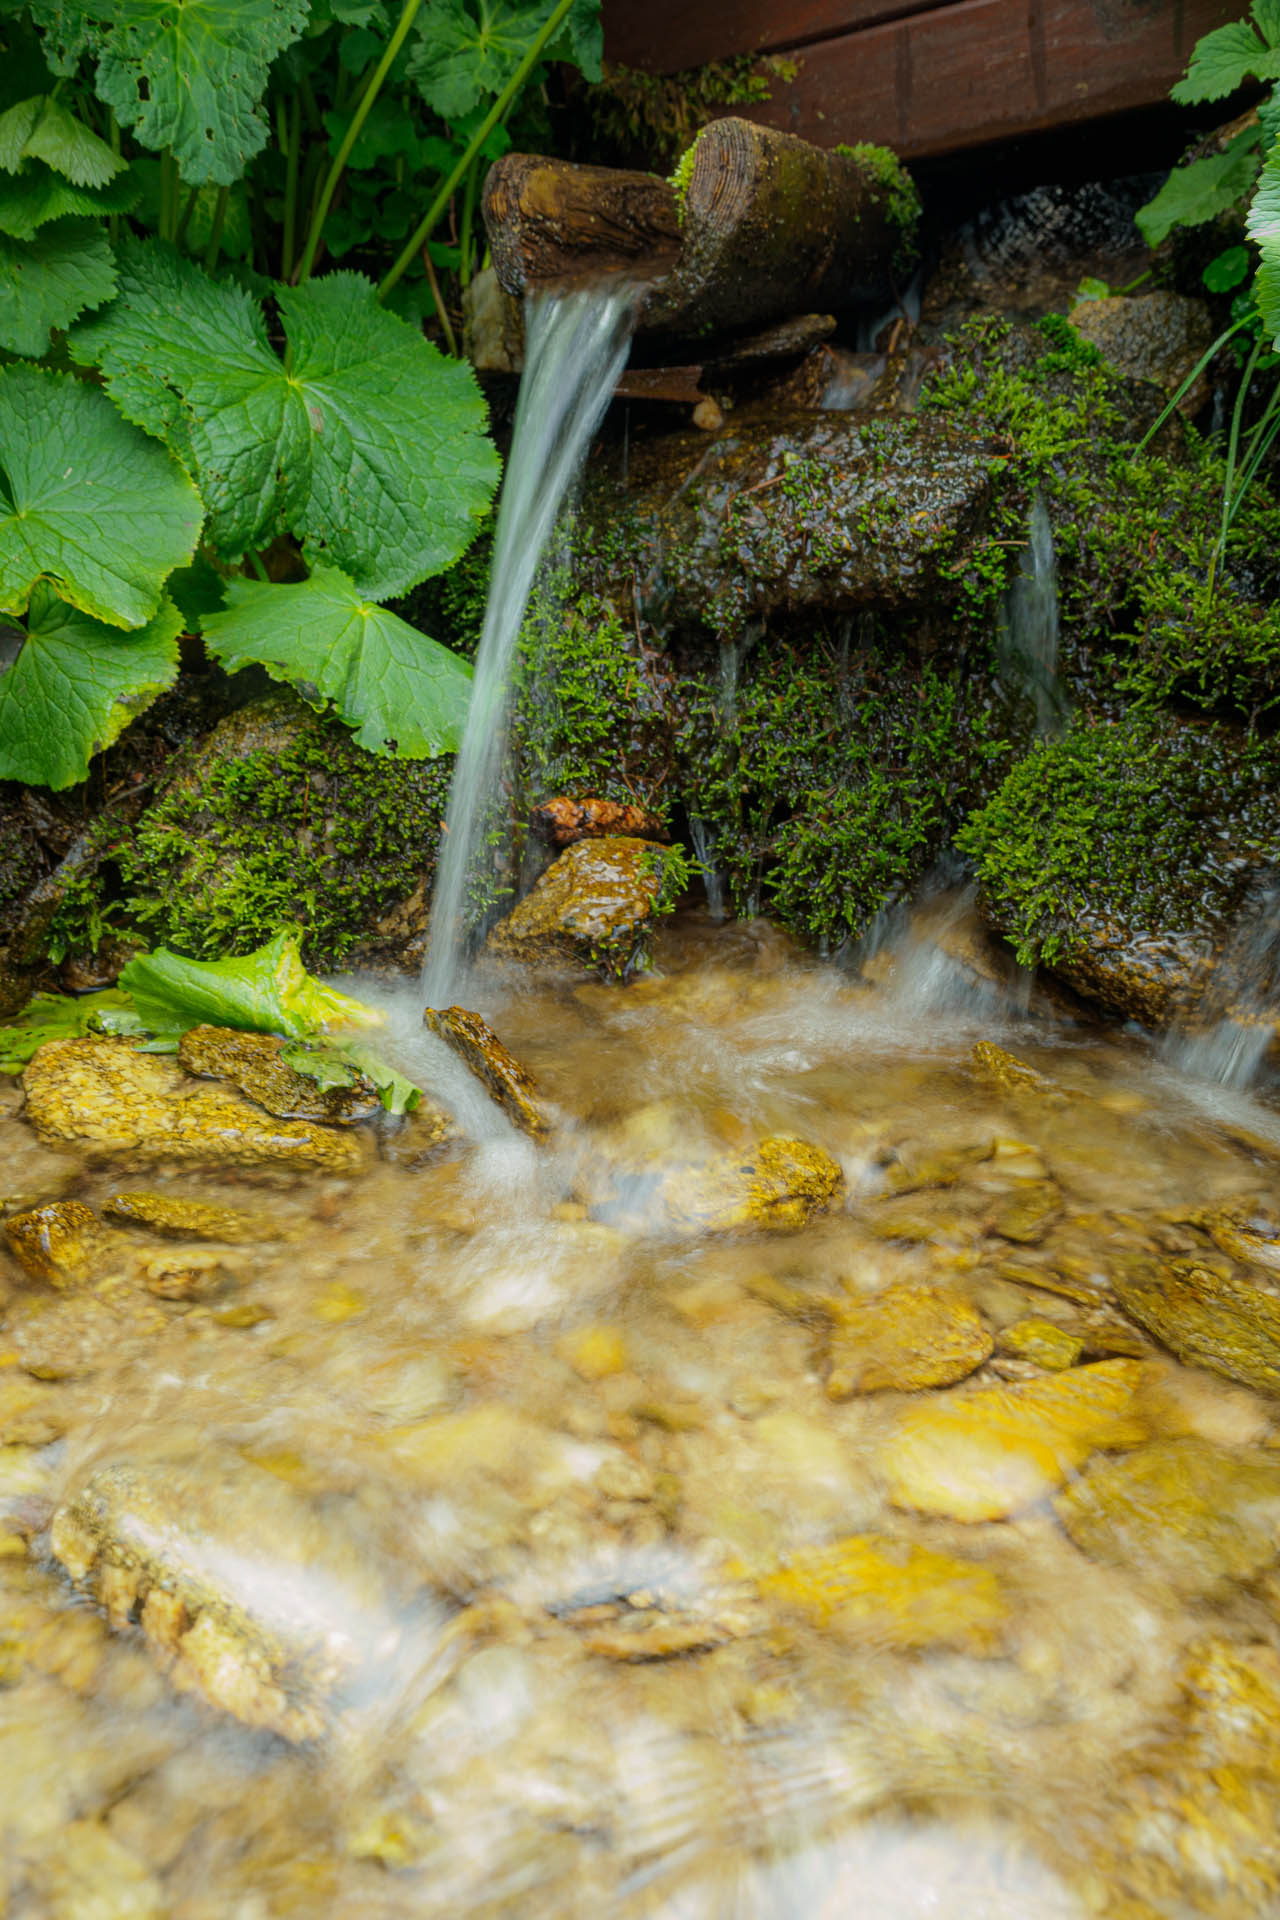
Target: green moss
x=1142, y=823
x=650, y=119
x=280, y=821
x=828, y=788
x=904, y=207
x=671, y=868
x=681, y=177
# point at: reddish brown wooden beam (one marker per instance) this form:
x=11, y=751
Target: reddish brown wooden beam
x=975, y=71
x=667, y=36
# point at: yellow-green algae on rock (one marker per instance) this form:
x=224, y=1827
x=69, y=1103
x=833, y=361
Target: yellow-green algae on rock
x=476, y=1044
x=61, y=1243
x=780, y=1183
x=115, y=1100
x=591, y=907
x=174, y=1217
x=1229, y=1322
x=907, y=1337
x=254, y=1063
x=986, y=1454
x=899, y=1595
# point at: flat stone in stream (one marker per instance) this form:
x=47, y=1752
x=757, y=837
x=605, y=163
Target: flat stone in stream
x=593, y=908
x=905, y=1338
x=892, y=1593
x=986, y=1454
x=1185, y=1512
x=245, y=1595
x=1229, y=1322
x=62, y=1243
x=476, y=1044
x=175, y=1218
x=254, y=1063
x=112, y=1099
x=779, y=1183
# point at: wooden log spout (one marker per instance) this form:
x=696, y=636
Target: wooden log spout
x=766, y=226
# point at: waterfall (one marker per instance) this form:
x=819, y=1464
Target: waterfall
x=576, y=346
x=1029, y=622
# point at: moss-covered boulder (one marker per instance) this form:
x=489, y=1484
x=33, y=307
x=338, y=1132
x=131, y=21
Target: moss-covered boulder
x=1123, y=853
x=275, y=818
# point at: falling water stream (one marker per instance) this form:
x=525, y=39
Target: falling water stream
x=576, y=346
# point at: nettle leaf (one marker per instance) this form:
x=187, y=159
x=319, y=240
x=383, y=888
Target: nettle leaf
x=29, y=200
x=184, y=74
x=1222, y=60
x=1264, y=228
x=42, y=129
x=86, y=501
x=371, y=450
x=46, y=281
x=406, y=694
x=75, y=686
x=467, y=50
x=1202, y=189
x=1266, y=16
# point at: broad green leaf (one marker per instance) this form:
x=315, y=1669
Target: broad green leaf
x=371, y=449
x=580, y=40
x=402, y=470
x=55, y=1016
x=195, y=591
x=1222, y=60
x=184, y=74
x=46, y=281
x=75, y=686
x=1227, y=269
x=186, y=357
x=268, y=991
x=407, y=694
x=1201, y=190
x=1264, y=228
x=338, y=1066
x=86, y=501
x=467, y=50
x=1266, y=17
x=42, y=129
x=29, y=200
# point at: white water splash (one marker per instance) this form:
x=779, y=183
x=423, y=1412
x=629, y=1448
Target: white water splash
x=576, y=346
x=1029, y=623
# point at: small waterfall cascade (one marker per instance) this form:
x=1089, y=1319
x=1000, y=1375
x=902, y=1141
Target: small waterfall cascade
x=1029, y=623
x=576, y=345
x=1238, y=1018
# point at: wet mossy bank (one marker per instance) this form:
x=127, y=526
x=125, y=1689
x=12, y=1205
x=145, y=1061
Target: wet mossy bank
x=783, y=640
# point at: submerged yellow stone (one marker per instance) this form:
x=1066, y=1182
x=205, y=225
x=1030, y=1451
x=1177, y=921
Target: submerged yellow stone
x=905, y=1338
x=781, y=1183
x=901, y=1596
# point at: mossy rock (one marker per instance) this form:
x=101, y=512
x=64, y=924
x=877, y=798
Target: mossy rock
x=1122, y=854
x=276, y=818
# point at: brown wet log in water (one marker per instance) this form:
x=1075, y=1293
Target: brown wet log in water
x=552, y=223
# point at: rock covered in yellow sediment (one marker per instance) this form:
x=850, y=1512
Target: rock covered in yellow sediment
x=1229, y=1322
x=907, y=1337
x=255, y=1063
x=476, y=1044
x=988, y=1453
x=176, y=1218
x=592, y=907
x=779, y=1183
x=106, y=1095
x=1005, y=1073
x=62, y=1243
x=1186, y=1512
x=898, y=1594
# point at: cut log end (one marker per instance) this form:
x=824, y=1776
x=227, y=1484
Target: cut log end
x=554, y=224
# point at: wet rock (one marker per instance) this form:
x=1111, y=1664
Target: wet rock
x=66, y=1338
x=62, y=1243
x=479, y=1048
x=1007, y=1074
x=182, y=1273
x=115, y=1100
x=563, y=821
x=1229, y=1322
x=822, y=511
x=1026, y=1216
x=1185, y=1512
x=987, y=1453
x=238, y=1587
x=1150, y=336
x=1141, y=976
x=253, y=1062
x=782, y=1183
x=1252, y=1237
x=893, y=1594
x=1050, y=1346
x=593, y=907
x=902, y=1339
x=419, y=1138
x=169, y=1215
x=642, y=1634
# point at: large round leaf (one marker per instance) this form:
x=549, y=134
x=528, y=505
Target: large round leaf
x=75, y=685
x=86, y=501
x=407, y=694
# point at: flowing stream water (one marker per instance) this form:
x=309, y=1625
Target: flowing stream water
x=576, y=346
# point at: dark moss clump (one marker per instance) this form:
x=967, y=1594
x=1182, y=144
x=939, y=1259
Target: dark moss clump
x=1139, y=825
x=277, y=819
x=827, y=786
x=649, y=119
x=904, y=206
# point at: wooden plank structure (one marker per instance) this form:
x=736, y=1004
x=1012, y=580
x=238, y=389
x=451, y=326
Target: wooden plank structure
x=922, y=78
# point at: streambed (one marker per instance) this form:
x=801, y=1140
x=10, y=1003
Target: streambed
x=476, y=1538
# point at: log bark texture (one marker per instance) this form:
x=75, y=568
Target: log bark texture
x=773, y=226
x=552, y=223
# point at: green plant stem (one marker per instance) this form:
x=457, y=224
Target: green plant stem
x=291, y=128
x=256, y=563
x=358, y=118
x=468, y=215
x=499, y=109
x=219, y=223
x=1233, y=446
x=189, y=208
x=441, y=310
